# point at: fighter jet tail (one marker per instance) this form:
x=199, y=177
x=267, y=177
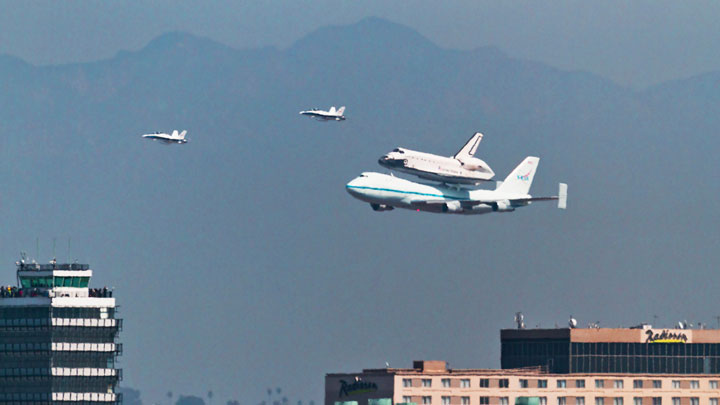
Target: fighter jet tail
x=520, y=179
x=332, y=110
x=174, y=133
x=470, y=147
x=341, y=110
x=182, y=134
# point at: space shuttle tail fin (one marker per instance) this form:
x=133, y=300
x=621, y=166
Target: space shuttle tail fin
x=470, y=147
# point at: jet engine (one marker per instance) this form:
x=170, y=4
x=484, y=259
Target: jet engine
x=452, y=207
x=381, y=207
x=503, y=206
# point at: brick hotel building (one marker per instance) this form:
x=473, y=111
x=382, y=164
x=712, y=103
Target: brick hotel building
x=634, y=366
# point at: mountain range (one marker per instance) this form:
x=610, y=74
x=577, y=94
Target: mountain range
x=240, y=261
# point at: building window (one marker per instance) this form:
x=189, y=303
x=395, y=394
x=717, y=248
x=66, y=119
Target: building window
x=657, y=384
x=543, y=400
x=713, y=401
x=580, y=401
x=617, y=401
x=561, y=383
x=407, y=382
x=599, y=383
x=427, y=400
x=579, y=383
x=445, y=382
x=562, y=401
x=407, y=399
x=637, y=401
x=484, y=383
x=465, y=383
x=599, y=401
x=503, y=383
x=426, y=382
x=676, y=384
x=506, y=401
x=694, y=401
x=523, y=383
x=676, y=401
x=637, y=384
x=484, y=400
x=542, y=383
x=618, y=384
x=694, y=384
x=445, y=400
x=465, y=400
x=656, y=400
x=713, y=384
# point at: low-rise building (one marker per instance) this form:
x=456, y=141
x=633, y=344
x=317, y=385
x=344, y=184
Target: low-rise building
x=633, y=366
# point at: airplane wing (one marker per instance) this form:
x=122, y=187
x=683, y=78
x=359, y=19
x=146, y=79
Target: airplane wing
x=463, y=203
x=468, y=203
x=561, y=197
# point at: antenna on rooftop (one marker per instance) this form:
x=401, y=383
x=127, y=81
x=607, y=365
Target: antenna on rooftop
x=37, y=247
x=519, y=317
x=54, y=260
x=68, y=256
x=717, y=318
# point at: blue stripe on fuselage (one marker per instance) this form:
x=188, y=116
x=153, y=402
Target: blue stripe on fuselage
x=406, y=192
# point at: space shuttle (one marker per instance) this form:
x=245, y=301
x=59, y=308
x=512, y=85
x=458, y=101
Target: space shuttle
x=462, y=168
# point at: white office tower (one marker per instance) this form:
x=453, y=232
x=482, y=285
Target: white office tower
x=58, y=338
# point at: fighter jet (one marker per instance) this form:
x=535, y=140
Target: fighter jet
x=331, y=115
x=385, y=193
x=463, y=168
x=168, y=139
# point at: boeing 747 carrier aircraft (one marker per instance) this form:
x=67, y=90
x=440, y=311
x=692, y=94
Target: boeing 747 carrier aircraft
x=463, y=168
x=385, y=193
x=331, y=115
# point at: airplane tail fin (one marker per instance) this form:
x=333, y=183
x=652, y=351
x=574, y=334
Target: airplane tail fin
x=520, y=179
x=174, y=133
x=332, y=110
x=182, y=134
x=341, y=110
x=470, y=147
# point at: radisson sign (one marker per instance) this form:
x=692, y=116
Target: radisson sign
x=666, y=336
x=357, y=387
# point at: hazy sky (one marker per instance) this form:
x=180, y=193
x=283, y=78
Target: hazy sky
x=637, y=42
x=225, y=283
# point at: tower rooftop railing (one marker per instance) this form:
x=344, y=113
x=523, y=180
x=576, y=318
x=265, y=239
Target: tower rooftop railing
x=51, y=266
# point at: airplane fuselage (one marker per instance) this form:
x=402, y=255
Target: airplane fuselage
x=323, y=115
x=165, y=138
x=385, y=192
x=437, y=168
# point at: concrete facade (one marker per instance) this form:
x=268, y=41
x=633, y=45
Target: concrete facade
x=431, y=383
